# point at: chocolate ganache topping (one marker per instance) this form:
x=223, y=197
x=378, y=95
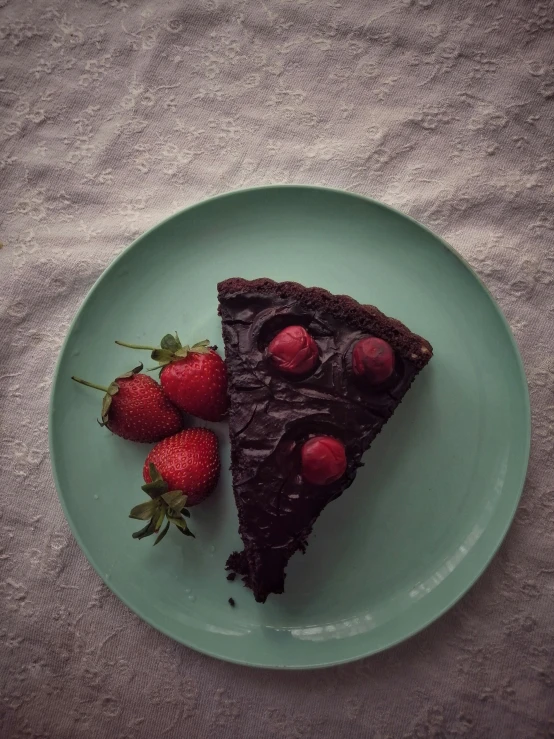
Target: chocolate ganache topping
x=273, y=413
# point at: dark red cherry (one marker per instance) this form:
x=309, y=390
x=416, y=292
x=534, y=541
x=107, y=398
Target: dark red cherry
x=323, y=460
x=293, y=351
x=373, y=360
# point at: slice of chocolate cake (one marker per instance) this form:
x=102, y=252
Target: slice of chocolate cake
x=313, y=378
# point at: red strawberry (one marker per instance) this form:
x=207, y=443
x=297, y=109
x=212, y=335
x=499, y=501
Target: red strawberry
x=194, y=378
x=188, y=461
x=181, y=470
x=136, y=408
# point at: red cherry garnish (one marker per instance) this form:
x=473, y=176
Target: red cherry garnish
x=323, y=460
x=373, y=359
x=293, y=351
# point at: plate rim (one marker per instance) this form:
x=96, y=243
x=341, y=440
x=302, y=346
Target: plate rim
x=526, y=432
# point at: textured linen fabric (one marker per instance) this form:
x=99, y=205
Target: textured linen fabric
x=114, y=114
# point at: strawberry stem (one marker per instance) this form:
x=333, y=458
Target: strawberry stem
x=137, y=346
x=90, y=384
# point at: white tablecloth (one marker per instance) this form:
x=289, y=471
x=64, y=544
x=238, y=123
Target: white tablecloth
x=115, y=113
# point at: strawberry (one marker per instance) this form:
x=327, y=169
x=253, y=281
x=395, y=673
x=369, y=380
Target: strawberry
x=193, y=378
x=181, y=470
x=188, y=461
x=136, y=408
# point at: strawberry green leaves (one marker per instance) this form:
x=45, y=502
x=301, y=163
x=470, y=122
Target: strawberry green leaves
x=144, y=511
x=170, y=342
x=176, y=501
x=165, y=505
x=157, y=485
x=171, y=349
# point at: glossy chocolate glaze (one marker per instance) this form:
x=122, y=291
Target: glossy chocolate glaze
x=271, y=416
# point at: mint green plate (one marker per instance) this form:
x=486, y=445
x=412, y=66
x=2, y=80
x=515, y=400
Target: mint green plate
x=440, y=484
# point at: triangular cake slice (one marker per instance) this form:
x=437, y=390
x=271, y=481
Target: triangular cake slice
x=313, y=378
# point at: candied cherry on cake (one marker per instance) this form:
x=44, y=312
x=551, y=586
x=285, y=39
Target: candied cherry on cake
x=293, y=351
x=373, y=360
x=323, y=460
